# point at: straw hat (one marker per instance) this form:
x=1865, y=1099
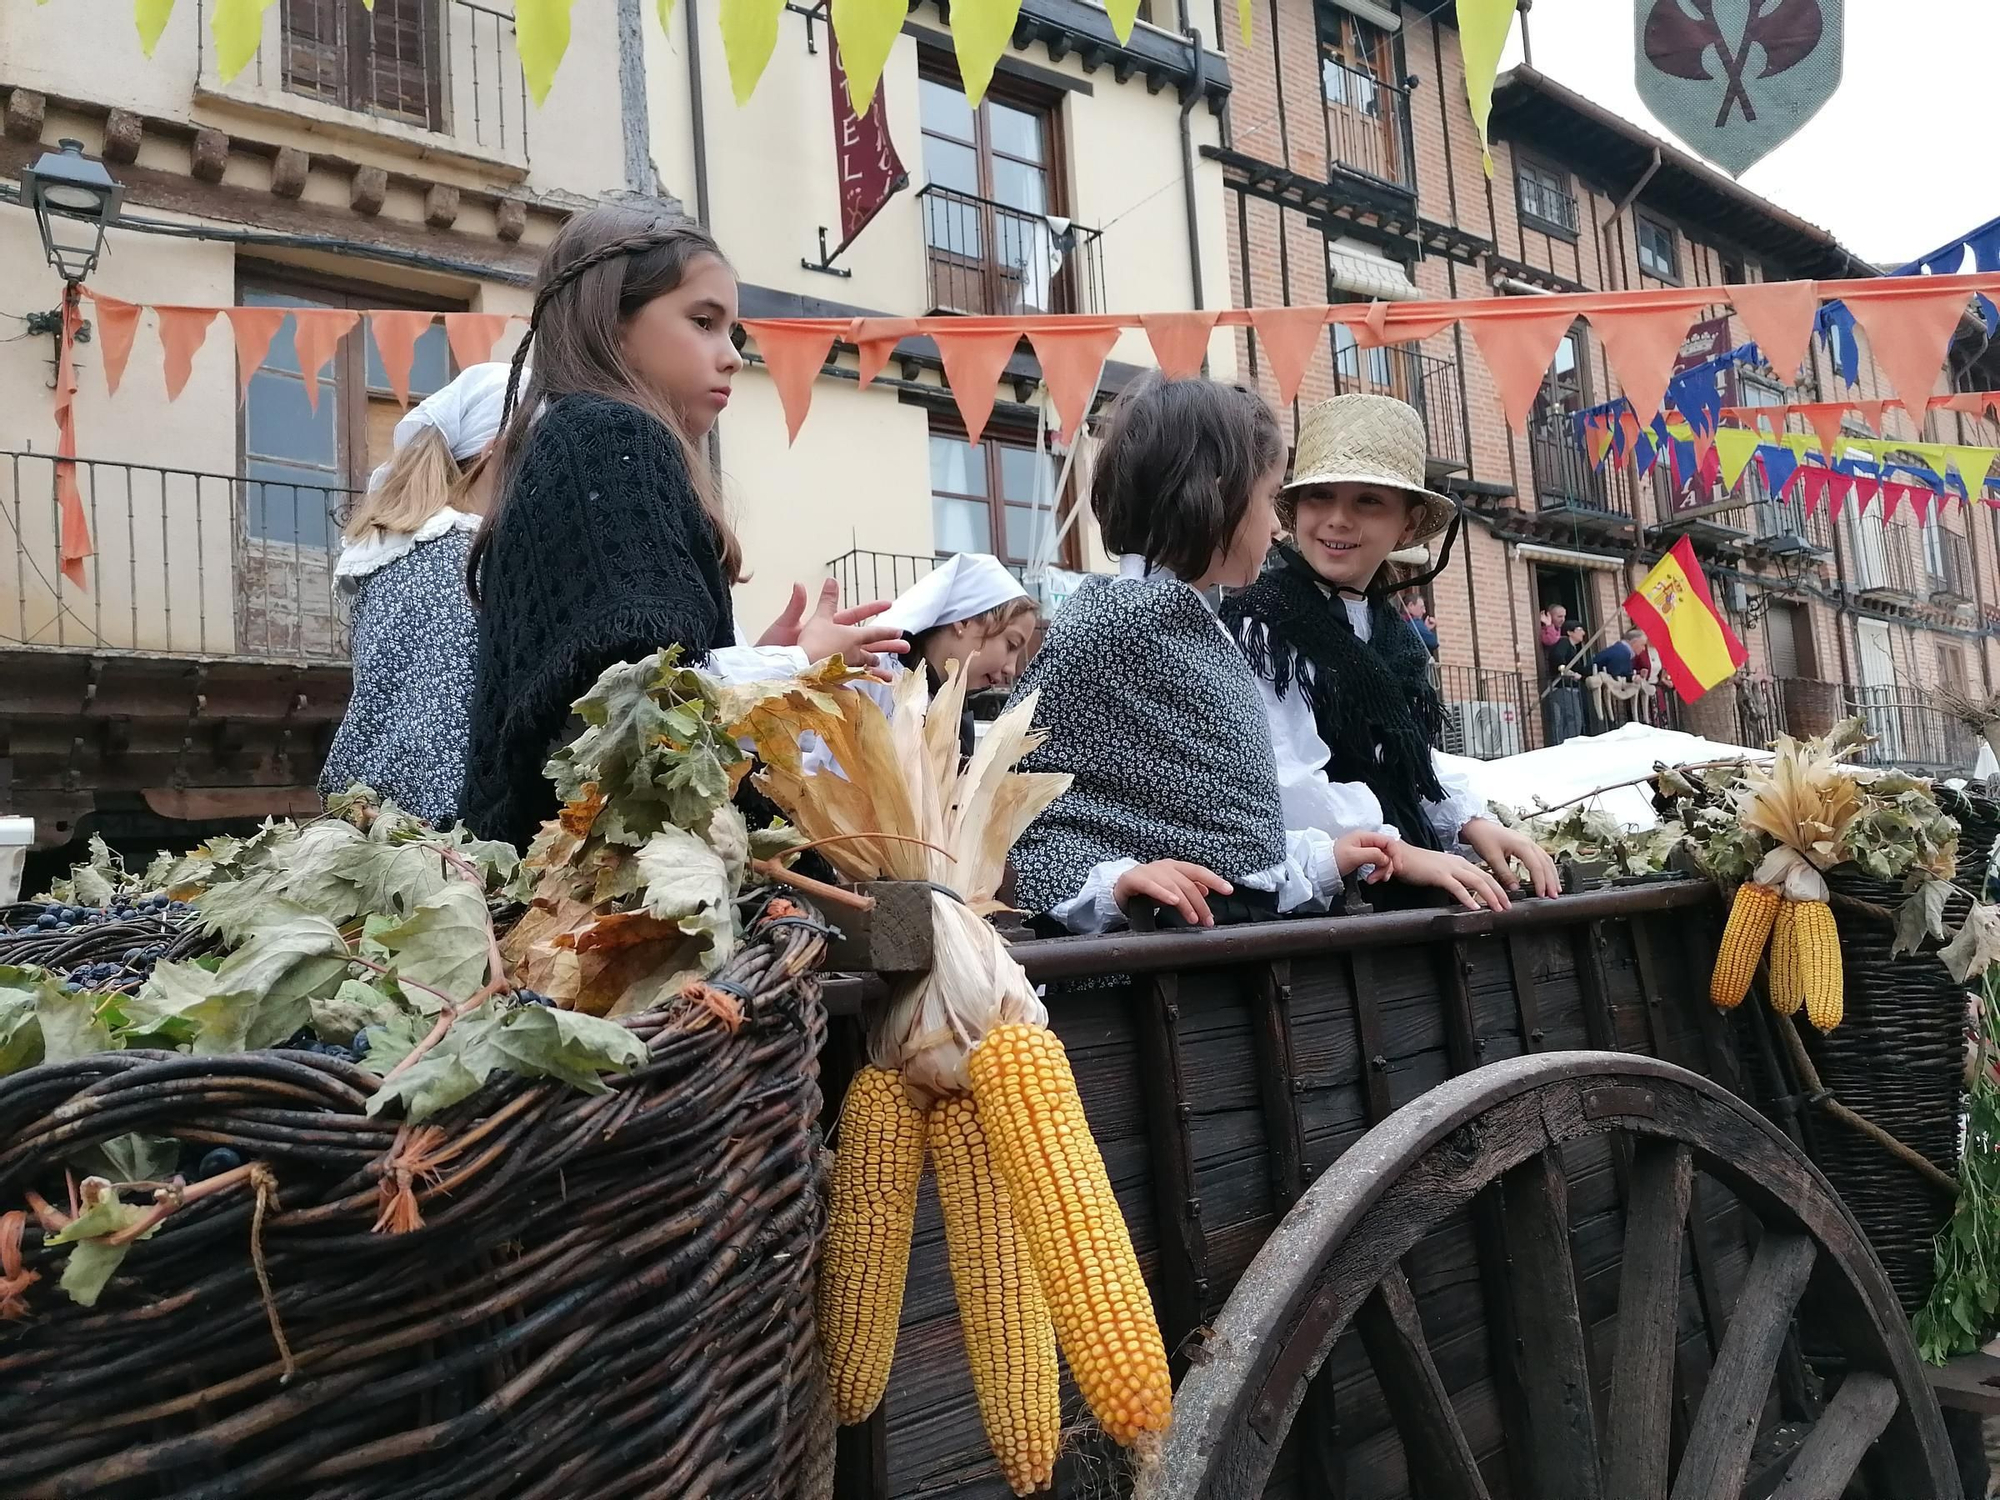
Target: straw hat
x=1366, y=440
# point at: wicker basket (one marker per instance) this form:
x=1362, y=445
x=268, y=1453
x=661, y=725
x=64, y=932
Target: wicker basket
x=609, y=1295
x=1898, y=1059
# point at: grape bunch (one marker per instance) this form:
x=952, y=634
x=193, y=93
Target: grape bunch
x=305, y=1039
x=98, y=948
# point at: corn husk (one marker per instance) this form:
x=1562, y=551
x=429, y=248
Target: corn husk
x=951, y=828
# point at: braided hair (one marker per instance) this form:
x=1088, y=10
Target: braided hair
x=602, y=267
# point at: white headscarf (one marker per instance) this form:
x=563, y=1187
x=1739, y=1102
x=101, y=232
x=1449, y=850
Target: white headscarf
x=962, y=586
x=466, y=413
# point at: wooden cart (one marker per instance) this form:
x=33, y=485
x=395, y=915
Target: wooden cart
x=1445, y=1205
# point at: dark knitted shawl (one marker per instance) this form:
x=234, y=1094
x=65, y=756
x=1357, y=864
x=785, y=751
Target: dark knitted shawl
x=1372, y=700
x=602, y=553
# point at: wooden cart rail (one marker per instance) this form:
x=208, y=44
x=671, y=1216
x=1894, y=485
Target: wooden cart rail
x=1224, y=1071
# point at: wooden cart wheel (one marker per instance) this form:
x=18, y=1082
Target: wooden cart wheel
x=1337, y=1257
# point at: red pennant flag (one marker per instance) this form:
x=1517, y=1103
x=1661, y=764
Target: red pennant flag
x=794, y=354
x=973, y=363
x=1642, y=344
x=1072, y=364
x=1779, y=317
x=1180, y=341
x=1813, y=482
x=117, y=322
x=1518, y=342
x=1629, y=426
x=182, y=331
x=1597, y=437
x=877, y=339
x=254, y=328
x=1290, y=335
x=1893, y=496
x=1865, y=489
x=473, y=335
x=316, y=334
x=396, y=335
x=1909, y=328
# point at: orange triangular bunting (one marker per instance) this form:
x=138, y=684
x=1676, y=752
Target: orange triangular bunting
x=182, y=330
x=316, y=334
x=1871, y=414
x=793, y=355
x=1909, y=329
x=1289, y=334
x=396, y=335
x=876, y=339
x=1643, y=343
x=473, y=335
x=1518, y=342
x=1180, y=341
x=1778, y=316
x=973, y=363
x=1072, y=364
x=254, y=328
x=1824, y=417
x=117, y=322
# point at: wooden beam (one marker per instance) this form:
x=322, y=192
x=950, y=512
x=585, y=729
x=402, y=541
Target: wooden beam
x=1183, y=1255
x=1644, y=1371
x=1277, y=1082
x=1562, y=1418
x=1833, y=1451
x=1440, y=1458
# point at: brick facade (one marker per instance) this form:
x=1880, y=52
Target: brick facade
x=1486, y=604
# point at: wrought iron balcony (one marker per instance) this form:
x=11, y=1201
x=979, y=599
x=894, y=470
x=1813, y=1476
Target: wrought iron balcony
x=990, y=259
x=1948, y=558
x=1777, y=522
x=1881, y=560
x=1566, y=480
x=443, y=71
x=1368, y=126
x=1425, y=381
x=186, y=563
x=1912, y=731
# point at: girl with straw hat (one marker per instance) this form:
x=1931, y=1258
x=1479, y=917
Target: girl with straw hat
x=1346, y=683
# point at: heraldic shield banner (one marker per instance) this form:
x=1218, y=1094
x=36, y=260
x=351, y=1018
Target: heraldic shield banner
x=1735, y=79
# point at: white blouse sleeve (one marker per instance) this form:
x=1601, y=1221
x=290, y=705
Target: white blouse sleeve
x=1308, y=798
x=1305, y=882
x=741, y=664
x=1461, y=804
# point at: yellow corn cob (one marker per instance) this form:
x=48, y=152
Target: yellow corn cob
x=876, y=1170
x=1743, y=938
x=1077, y=1240
x=1817, y=943
x=1787, y=979
x=1009, y=1341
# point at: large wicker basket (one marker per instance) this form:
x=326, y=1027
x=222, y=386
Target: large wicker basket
x=1898, y=1059
x=609, y=1295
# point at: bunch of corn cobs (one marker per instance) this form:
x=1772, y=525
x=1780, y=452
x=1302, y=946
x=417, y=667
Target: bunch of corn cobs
x=1805, y=954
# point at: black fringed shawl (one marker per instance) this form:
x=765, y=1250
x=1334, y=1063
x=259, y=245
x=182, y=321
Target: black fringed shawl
x=1372, y=700
x=601, y=554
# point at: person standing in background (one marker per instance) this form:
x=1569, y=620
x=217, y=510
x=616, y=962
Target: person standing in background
x=1554, y=624
x=1418, y=612
x=1565, y=662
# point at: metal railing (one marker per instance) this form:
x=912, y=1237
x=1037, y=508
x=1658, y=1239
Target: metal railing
x=185, y=563
x=1545, y=203
x=449, y=68
x=1948, y=560
x=1368, y=125
x=1910, y=730
x=1490, y=714
x=1773, y=520
x=989, y=259
x=865, y=576
x=1565, y=479
x=1882, y=558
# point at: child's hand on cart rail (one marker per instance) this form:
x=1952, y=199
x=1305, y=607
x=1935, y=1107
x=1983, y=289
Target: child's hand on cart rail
x=1503, y=848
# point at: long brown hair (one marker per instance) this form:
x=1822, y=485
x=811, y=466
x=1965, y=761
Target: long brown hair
x=602, y=267
x=422, y=479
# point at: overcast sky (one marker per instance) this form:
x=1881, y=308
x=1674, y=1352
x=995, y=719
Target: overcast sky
x=1901, y=159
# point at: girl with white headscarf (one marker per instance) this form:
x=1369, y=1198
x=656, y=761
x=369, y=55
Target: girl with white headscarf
x=414, y=634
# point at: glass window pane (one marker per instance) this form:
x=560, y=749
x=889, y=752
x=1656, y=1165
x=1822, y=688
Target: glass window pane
x=1026, y=527
x=944, y=110
x=957, y=468
x=1017, y=132
x=1333, y=80
x=1020, y=186
x=289, y=504
x=279, y=422
x=430, y=364
x=1566, y=356
x=1021, y=470
x=950, y=165
x=284, y=354
x=1345, y=356
x=960, y=525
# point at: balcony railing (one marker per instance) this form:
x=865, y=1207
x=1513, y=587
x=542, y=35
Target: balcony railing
x=1881, y=559
x=1368, y=125
x=432, y=71
x=1910, y=730
x=866, y=576
x=989, y=259
x=1948, y=559
x=1565, y=479
x=186, y=563
x=1779, y=520
x=1490, y=714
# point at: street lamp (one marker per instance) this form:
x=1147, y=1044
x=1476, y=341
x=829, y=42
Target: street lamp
x=74, y=201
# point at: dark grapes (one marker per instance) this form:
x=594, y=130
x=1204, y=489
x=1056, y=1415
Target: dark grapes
x=216, y=1162
x=532, y=997
x=359, y=1046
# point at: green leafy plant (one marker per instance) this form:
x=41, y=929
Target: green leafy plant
x=1964, y=1303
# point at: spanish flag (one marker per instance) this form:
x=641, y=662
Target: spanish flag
x=1677, y=612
